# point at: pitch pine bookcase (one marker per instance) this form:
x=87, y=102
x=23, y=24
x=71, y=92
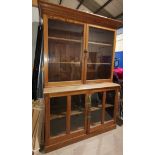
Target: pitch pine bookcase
x=80, y=98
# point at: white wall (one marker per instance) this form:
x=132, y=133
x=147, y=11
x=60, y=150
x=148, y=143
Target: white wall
x=35, y=22
x=119, y=43
x=119, y=40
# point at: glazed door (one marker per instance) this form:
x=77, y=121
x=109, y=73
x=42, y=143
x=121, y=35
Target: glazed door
x=63, y=61
x=100, y=54
x=66, y=116
x=58, y=116
x=101, y=109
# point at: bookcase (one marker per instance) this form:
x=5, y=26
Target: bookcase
x=80, y=99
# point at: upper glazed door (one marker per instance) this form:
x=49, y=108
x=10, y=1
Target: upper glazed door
x=65, y=46
x=100, y=54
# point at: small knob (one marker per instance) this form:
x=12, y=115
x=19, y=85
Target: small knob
x=85, y=51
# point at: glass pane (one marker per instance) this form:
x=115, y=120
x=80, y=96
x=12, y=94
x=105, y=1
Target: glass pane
x=58, y=108
x=65, y=45
x=77, y=112
x=100, y=47
x=110, y=100
x=109, y=114
x=96, y=109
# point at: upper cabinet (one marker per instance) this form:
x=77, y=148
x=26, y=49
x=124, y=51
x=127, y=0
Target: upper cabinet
x=78, y=47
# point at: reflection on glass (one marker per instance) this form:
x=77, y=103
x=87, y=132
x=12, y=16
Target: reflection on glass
x=109, y=114
x=77, y=112
x=96, y=109
x=100, y=47
x=65, y=43
x=58, y=108
x=110, y=100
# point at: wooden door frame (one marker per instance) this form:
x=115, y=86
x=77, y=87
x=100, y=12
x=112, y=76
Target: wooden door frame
x=113, y=52
x=68, y=135
x=46, y=59
x=103, y=122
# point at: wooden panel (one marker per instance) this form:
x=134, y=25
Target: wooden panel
x=79, y=87
x=81, y=92
x=59, y=139
x=78, y=138
x=98, y=81
x=45, y=22
x=58, y=11
x=113, y=55
x=35, y=3
x=101, y=27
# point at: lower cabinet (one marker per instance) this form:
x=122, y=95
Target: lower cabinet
x=76, y=116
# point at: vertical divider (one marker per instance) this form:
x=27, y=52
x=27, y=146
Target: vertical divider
x=88, y=113
x=85, y=52
x=103, y=107
x=47, y=119
x=68, y=114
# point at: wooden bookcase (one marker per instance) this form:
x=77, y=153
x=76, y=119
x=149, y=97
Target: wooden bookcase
x=80, y=98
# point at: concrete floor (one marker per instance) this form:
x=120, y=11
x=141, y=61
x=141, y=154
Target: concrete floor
x=109, y=143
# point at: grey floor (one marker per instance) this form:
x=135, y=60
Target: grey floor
x=109, y=143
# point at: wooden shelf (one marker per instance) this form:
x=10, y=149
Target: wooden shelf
x=65, y=39
x=100, y=106
x=95, y=108
x=65, y=32
x=99, y=43
x=62, y=115
x=65, y=63
x=95, y=124
x=81, y=87
x=76, y=112
x=109, y=105
x=54, y=116
x=98, y=63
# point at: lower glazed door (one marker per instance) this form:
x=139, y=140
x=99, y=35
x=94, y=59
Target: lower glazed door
x=100, y=110
x=67, y=117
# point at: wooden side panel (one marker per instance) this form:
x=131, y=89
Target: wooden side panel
x=45, y=22
x=35, y=3
x=113, y=55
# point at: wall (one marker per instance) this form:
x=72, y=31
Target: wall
x=35, y=22
x=119, y=47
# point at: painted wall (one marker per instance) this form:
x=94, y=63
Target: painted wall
x=119, y=47
x=35, y=22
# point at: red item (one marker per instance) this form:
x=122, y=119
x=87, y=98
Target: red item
x=119, y=72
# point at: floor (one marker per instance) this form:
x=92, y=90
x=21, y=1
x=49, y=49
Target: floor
x=109, y=143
